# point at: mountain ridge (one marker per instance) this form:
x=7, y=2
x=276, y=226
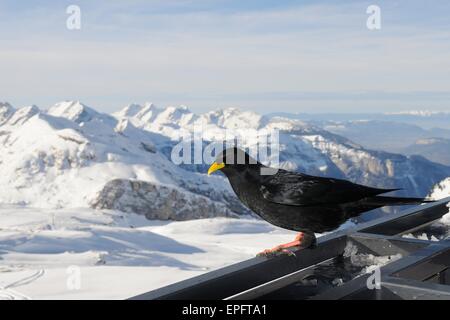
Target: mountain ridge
x=97, y=158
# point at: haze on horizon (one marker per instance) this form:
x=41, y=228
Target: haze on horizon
x=266, y=56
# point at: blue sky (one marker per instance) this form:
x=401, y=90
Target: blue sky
x=292, y=56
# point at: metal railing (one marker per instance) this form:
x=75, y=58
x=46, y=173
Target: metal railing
x=422, y=272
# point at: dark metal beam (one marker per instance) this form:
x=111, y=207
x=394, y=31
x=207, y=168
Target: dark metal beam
x=410, y=220
x=242, y=276
x=383, y=246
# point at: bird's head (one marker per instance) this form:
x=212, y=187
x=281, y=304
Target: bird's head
x=232, y=161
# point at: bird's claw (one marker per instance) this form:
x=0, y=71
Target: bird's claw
x=275, y=252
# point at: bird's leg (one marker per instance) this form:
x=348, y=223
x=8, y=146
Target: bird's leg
x=298, y=241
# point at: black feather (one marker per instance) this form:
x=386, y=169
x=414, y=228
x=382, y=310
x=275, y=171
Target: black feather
x=297, y=189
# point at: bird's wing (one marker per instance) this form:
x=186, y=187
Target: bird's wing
x=296, y=189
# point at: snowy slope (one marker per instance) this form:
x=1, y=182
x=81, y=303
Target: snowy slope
x=118, y=255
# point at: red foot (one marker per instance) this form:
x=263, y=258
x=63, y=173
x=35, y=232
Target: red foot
x=283, y=247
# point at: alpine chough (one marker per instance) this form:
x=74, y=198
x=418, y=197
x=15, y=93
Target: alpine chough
x=297, y=201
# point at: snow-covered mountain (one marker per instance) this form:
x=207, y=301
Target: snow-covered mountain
x=379, y=135
x=122, y=161
x=424, y=119
x=76, y=112
x=389, y=136
x=72, y=155
x=304, y=147
x=394, y=137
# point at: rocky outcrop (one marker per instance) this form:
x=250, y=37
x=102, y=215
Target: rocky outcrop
x=157, y=201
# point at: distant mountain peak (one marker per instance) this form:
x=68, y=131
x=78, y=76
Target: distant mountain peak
x=148, y=106
x=233, y=118
x=81, y=114
x=179, y=115
x=72, y=110
x=6, y=111
x=5, y=105
x=23, y=114
x=419, y=113
x=128, y=111
x=147, y=112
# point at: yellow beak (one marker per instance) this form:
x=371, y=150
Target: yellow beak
x=215, y=166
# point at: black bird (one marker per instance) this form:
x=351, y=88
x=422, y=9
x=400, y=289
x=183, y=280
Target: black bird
x=298, y=201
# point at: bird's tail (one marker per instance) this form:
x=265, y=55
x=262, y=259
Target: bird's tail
x=396, y=201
